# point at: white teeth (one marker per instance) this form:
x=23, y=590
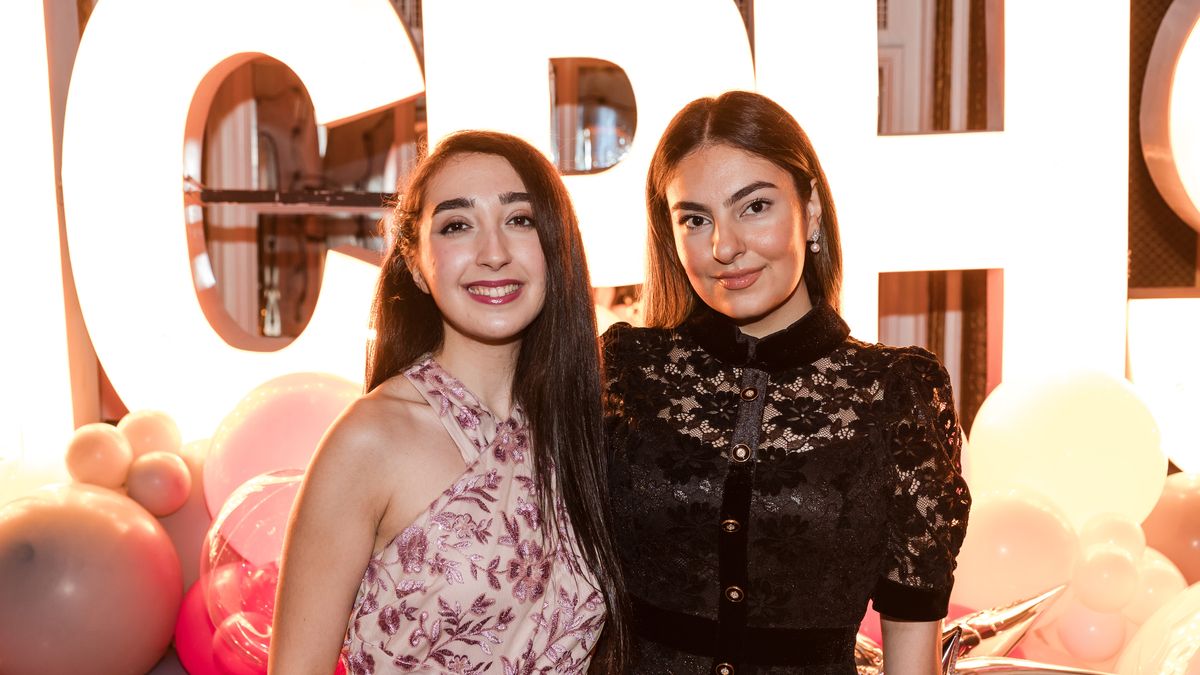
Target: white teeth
x=493, y=291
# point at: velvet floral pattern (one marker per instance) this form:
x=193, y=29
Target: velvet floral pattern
x=476, y=584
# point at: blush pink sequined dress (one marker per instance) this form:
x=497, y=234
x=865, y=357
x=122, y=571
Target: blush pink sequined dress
x=476, y=584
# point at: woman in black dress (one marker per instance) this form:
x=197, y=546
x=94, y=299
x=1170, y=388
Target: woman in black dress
x=770, y=474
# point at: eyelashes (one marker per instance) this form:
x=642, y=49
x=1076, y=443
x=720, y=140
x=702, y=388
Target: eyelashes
x=693, y=220
x=456, y=226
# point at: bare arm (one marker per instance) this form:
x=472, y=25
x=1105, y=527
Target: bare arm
x=328, y=545
x=911, y=647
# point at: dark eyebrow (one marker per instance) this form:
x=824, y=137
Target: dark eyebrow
x=450, y=204
x=510, y=197
x=691, y=206
x=756, y=185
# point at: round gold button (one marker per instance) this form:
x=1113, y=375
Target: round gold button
x=741, y=452
x=730, y=525
x=723, y=669
x=749, y=394
x=734, y=594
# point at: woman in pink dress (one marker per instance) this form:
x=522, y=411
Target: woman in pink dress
x=454, y=518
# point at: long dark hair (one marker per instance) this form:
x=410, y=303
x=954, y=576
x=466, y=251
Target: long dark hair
x=557, y=379
x=758, y=125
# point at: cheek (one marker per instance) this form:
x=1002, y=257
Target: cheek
x=693, y=252
x=780, y=244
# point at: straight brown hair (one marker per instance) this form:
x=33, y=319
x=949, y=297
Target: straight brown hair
x=756, y=124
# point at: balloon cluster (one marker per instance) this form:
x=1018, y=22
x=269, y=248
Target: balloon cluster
x=1071, y=488
x=93, y=573
x=251, y=474
x=90, y=581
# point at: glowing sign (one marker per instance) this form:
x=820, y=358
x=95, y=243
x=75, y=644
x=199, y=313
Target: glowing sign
x=35, y=384
x=139, y=67
x=1170, y=115
x=1167, y=377
x=1045, y=199
x=673, y=51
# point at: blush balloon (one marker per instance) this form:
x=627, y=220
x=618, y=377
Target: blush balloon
x=1173, y=527
x=187, y=526
x=89, y=584
x=276, y=426
x=100, y=455
x=1159, y=580
x=150, y=431
x=160, y=482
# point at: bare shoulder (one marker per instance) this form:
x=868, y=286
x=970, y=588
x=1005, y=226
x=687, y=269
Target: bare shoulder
x=390, y=424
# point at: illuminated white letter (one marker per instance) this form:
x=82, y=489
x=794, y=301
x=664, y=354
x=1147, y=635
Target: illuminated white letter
x=673, y=51
x=1045, y=199
x=1170, y=116
x=140, y=64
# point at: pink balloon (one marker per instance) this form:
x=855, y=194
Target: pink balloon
x=89, y=582
x=160, y=482
x=194, y=635
x=100, y=455
x=1173, y=527
x=1018, y=545
x=1106, y=579
x=150, y=431
x=1116, y=529
x=241, y=643
x=1089, y=635
x=189, y=524
x=1159, y=580
x=276, y=426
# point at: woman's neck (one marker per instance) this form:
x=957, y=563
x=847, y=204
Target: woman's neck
x=486, y=369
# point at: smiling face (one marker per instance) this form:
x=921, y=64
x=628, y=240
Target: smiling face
x=478, y=251
x=740, y=232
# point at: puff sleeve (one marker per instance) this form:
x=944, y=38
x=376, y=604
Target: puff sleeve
x=927, y=516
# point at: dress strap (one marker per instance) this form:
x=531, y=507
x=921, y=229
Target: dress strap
x=470, y=424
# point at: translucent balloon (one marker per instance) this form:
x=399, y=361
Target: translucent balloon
x=1159, y=580
x=160, y=482
x=240, y=560
x=1106, y=578
x=1084, y=440
x=194, y=635
x=189, y=524
x=241, y=643
x=89, y=584
x=1115, y=529
x=1174, y=526
x=1169, y=642
x=100, y=455
x=1017, y=546
x=1090, y=635
x=276, y=426
x=150, y=431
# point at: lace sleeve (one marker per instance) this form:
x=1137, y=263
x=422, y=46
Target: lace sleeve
x=613, y=343
x=927, y=519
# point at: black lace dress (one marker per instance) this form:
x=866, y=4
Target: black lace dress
x=765, y=489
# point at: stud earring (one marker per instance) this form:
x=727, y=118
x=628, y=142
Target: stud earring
x=814, y=245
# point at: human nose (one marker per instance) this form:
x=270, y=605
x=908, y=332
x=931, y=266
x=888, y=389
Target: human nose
x=727, y=243
x=493, y=249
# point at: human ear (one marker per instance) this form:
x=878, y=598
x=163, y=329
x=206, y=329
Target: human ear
x=813, y=210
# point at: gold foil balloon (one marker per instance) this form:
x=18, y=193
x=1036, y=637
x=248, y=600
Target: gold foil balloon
x=994, y=632
x=89, y=584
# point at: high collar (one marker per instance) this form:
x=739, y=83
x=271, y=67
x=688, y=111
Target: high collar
x=811, y=337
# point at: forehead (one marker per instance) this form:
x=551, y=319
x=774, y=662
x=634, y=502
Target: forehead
x=720, y=170
x=474, y=176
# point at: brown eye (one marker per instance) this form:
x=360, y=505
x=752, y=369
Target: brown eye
x=757, y=206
